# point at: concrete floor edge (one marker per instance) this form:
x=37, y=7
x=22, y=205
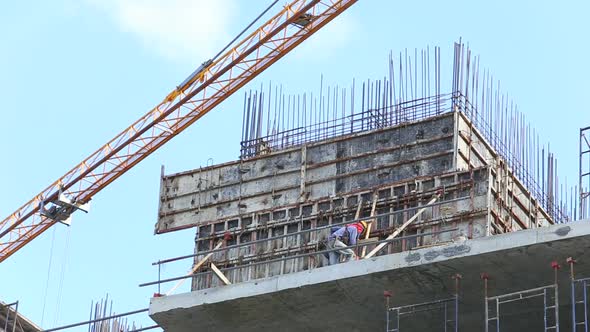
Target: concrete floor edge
x=378, y=264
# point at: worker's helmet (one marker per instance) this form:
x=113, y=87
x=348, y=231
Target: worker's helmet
x=365, y=226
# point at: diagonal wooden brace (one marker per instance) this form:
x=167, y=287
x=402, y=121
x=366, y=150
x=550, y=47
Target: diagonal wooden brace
x=196, y=267
x=220, y=274
x=403, y=226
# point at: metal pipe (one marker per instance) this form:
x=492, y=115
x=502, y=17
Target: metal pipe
x=145, y=328
x=497, y=316
x=556, y=304
x=321, y=252
x=545, y=309
x=457, y=278
x=164, y=261
x=486, y=301
x=387, y=295
x=7, y=316
x=244, y=30
x=15, y=317
x=521, y=292
x=425, y=307
x=571, y=262
x=446, y=313
x=585, y=290
x=97, y=320
x=422, y=304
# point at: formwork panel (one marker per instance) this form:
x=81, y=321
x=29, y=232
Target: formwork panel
x=313, y=171
x=513, y=204
x=463, y=208
x=310, y=187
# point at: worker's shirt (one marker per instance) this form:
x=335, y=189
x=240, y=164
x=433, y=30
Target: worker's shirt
x=352, y=231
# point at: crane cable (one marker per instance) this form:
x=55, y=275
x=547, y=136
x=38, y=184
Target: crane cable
x=205, y=65
x=243, y=31
x=48, y=275
x=62, y=274
x=68, y=236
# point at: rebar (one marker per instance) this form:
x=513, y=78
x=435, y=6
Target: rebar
x=409, y=95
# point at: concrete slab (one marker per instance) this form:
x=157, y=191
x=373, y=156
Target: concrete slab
x=349, y=297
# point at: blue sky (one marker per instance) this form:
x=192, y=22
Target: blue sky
x=75, y=73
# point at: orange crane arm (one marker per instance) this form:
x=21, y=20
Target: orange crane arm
x=208, y=86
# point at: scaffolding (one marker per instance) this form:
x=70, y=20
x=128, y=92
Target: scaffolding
x=549, y=293
x=580, y=313
x=11, y=309
x=584, y=173
x=580, y=323
x=579, y=302
x=449, y=307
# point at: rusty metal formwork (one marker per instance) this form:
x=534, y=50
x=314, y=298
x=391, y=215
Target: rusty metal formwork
x=267, y=213
x=470, y=207
x=463, y=191
x=264, y=199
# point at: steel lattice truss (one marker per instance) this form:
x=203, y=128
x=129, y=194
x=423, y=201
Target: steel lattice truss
x=182, y=107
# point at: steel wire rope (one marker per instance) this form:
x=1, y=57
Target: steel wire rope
x=48, y=275
x=61, y=278
x=244, y=30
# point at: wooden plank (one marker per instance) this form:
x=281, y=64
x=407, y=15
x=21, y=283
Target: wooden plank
x=358, y=209
x=402, y=227
x=369, y=240
x=220, y=274
x=195, y=268
x=368, y=231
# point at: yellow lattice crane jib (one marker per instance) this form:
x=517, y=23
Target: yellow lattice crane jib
x=213, y=82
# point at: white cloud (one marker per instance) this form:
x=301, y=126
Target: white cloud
x=181, y=30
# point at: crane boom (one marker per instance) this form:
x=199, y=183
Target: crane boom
x=208, y=86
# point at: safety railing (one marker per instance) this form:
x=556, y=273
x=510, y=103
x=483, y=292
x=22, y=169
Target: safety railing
x=108, y=324
x=319, y=252
x=243, y=262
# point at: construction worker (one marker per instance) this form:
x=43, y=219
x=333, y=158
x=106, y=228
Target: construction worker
x=345, y=236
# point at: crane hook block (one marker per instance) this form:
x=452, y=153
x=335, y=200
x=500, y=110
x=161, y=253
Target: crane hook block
x=303, y=20
x=61, y=209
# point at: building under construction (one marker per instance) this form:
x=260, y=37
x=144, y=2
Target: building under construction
x=13, y=321
x=465, y=224
x=465, y=211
